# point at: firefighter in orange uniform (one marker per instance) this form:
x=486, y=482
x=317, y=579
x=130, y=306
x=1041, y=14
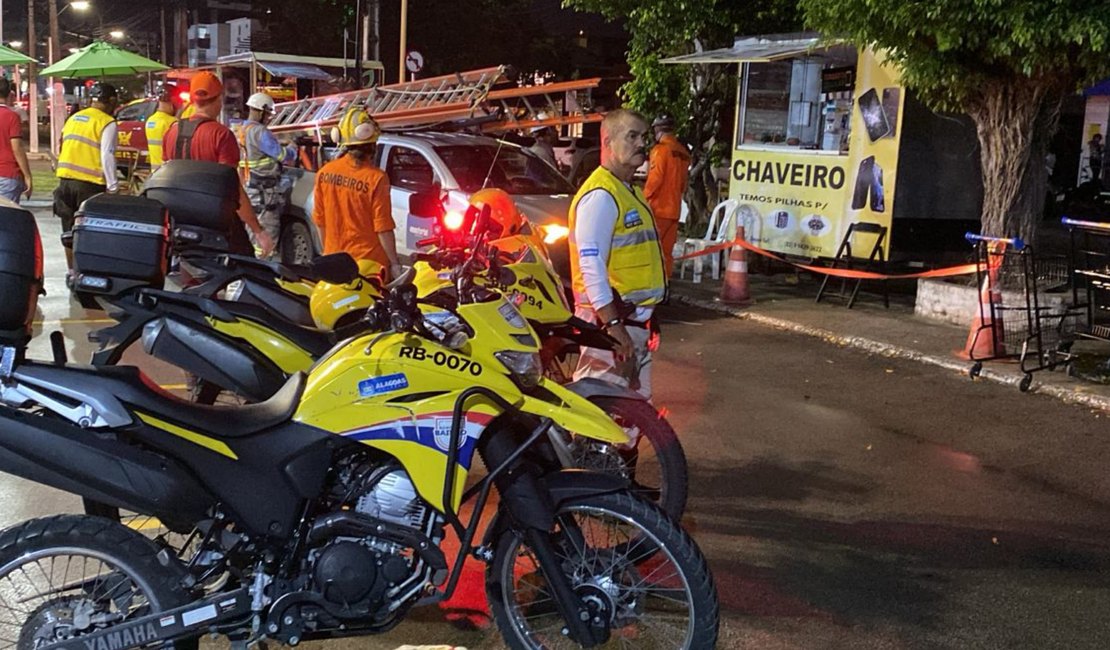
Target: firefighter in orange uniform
x=351, y=205
x=668, y=171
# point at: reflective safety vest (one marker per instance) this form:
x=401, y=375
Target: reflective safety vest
x=156, y=126
x=251, y=159
x=635, y=258
x=80, y=155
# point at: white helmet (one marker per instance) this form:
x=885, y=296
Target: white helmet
x=261, y=102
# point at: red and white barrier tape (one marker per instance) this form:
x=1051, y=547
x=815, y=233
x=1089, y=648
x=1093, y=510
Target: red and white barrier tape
x=962, y=269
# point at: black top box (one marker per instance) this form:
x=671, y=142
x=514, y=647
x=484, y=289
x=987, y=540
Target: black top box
x=197, y=193
x=120, y=242
x=20, y=274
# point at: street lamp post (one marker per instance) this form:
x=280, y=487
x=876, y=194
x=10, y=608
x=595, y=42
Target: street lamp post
x=404, y=39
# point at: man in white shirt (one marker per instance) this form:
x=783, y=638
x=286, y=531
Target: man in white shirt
x=614, y=251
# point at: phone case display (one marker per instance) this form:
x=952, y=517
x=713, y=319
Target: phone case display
x=869, y=183
x=891, y=99
x=874, y=117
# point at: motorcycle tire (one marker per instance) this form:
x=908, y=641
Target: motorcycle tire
x=127, y=561
x=613, y=580
x=655, y=435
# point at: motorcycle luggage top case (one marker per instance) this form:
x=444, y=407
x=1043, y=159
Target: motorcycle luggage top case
x=202, y=197
x=120, y=242
x=20, y=274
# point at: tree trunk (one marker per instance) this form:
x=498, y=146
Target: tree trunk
x=1015, y=120
x=702, y=193
x=55, y=38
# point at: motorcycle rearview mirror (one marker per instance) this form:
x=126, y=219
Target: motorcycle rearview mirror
x=337, y=268
x=482, y=221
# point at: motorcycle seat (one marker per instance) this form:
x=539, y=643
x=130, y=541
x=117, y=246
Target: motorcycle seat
x=312, y=341
x=128, y=384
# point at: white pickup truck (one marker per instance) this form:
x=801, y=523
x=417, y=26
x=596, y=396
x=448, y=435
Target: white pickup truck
x=460, y=164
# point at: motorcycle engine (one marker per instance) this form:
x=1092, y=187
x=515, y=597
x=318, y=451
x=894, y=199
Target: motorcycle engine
x=356, y=573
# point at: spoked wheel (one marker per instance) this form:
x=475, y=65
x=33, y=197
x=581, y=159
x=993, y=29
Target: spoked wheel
x=656, y=465
x=146, y=525
x=641, y=577
x=69, y=576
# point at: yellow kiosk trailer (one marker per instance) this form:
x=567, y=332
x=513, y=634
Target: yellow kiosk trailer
x=826, y=137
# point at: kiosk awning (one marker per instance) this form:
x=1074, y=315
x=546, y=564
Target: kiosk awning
x=758, y=49
x=298, y=70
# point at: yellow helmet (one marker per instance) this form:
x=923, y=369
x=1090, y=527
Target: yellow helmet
x=356, y=127
x=335, y=305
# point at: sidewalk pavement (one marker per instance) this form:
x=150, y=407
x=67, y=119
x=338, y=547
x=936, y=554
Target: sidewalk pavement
x=893, y=332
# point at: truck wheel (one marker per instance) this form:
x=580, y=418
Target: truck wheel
x=296, y=243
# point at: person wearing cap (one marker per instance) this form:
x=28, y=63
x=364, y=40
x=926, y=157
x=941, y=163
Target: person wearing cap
x=668, y=172
x=351, y=205
x=201, y=137
x=15, y=171
x=87, y=160
x=260, y=159
x=157, y=124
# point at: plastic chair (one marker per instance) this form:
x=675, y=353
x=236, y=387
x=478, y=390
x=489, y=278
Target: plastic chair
x=721, y=223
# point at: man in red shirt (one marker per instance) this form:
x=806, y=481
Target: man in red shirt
x=209, y=140
x=15, y=172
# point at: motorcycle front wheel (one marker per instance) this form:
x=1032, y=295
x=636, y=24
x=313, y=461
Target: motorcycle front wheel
x=655, y=465
x=639, y=574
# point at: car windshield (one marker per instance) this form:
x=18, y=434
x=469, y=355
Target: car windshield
x=517, y=171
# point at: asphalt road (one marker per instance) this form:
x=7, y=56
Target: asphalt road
x=844, y=501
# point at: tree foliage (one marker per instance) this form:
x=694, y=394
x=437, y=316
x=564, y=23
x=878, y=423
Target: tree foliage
x=1007, y=63
x=696, y=95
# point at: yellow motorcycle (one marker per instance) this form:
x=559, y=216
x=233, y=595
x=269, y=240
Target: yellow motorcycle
x=247, y=350
x=322, y=512
x=518, y=267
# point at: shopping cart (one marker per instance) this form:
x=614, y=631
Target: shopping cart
x=1037, y=336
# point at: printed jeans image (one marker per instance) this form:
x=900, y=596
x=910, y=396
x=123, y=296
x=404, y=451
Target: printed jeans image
x=869, y=179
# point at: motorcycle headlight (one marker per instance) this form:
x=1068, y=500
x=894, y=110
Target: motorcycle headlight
x=525, y=366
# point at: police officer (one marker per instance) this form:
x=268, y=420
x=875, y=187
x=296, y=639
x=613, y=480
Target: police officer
x=616, y=263
x=87, y=161
x=260, y=161
x=157, y=124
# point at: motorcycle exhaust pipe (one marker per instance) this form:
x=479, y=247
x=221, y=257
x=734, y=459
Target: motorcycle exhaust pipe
x=61, y=455
x=227, y=363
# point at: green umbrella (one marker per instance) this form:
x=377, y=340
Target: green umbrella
x=8, y=56
x=101, y=59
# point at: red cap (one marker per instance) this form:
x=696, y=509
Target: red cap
x=205, y=85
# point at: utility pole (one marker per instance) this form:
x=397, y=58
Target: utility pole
x=162, y=24
x=32, y=78
x=359, y=33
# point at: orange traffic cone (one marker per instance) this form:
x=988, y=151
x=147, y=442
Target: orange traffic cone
x=984, y=341
x=735, y=289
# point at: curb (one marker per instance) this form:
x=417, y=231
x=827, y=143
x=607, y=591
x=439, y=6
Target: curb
x=36, y=203
x=1064, y=394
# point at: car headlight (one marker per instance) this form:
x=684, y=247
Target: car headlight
x=553, y=232
x=525, y=366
